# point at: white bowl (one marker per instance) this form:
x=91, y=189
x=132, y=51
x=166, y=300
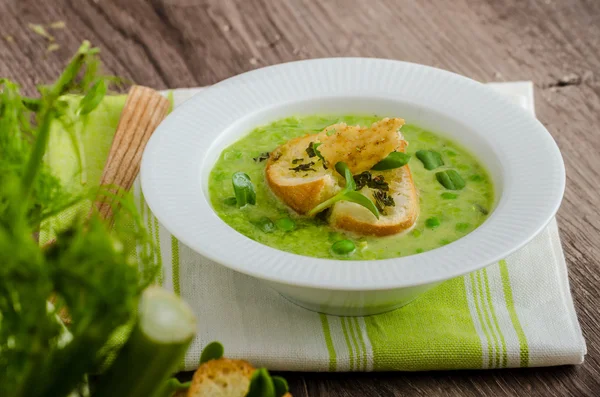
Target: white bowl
x=520, y=155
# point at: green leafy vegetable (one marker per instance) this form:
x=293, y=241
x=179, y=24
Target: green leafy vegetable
x=393, y=160
x=430, y=159
x=91, y=273
x=154, y=349
x=347, y=194
x=450, y=179
x=281, y=386
x=243, y=189
x=261, y=384
x=93, y=98
x=212, y=351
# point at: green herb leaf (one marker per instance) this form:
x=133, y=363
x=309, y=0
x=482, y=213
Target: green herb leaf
x=261, y=384
x=281, y=386
x=450, y=179
x=430, y=159
x=265, y=224
x=349, y=193
x=92, y=99
x=243, y=189
x=393, y=160
x=212, y=351
x=343, y=169
x=360, y=199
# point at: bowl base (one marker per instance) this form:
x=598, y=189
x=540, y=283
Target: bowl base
x=344, y=311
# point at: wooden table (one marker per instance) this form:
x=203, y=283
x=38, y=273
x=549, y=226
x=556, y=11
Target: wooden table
x=186, y=43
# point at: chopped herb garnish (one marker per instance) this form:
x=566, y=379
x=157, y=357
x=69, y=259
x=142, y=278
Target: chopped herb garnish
x=366, y=179
x=296, y=161
x=312, y=151
x=261, y=157
x=331, y=132
x=382, y=200
x=304, y=167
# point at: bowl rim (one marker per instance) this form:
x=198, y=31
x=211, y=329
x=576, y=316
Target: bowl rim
x=172, y=155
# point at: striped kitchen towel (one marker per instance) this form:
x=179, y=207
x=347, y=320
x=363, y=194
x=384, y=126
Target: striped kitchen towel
x=515, y=313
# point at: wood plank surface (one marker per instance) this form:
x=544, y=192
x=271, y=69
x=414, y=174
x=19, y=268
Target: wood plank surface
x=185, y=43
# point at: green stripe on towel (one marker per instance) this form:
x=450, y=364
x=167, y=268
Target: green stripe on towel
x=510, y=304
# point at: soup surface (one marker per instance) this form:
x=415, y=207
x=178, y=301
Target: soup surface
x=445, y=215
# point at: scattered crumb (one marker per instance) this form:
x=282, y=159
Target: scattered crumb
x=569, y=79
x=40, y=30
x=58, y=25
x=253, y=61
x=497, y=75
x=226, y=28
x=52, y=47
x=9, y=38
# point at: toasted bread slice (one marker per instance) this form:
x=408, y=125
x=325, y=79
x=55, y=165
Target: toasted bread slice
x=221, y=378
x=360, y=148
x=300, y=181
x=393, y=219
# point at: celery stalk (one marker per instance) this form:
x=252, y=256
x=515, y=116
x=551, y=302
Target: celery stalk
x=160, y=338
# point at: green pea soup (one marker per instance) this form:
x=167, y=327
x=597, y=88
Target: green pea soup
x=445, y=215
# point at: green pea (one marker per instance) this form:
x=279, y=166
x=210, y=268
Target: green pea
x=416, y=233
x=450, y=153
x=432, y=222
x=393, y=160
x=285, y=224
x=462, y=227
x=265, y=224
x=450, y=179
x=444, y=242
x=343, y=247
x=476, y=178
x=230, y=201
x=419, y=250
x=448, y=196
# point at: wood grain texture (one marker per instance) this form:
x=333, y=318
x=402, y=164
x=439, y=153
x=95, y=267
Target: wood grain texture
x=144, y=110
x=183, y=43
